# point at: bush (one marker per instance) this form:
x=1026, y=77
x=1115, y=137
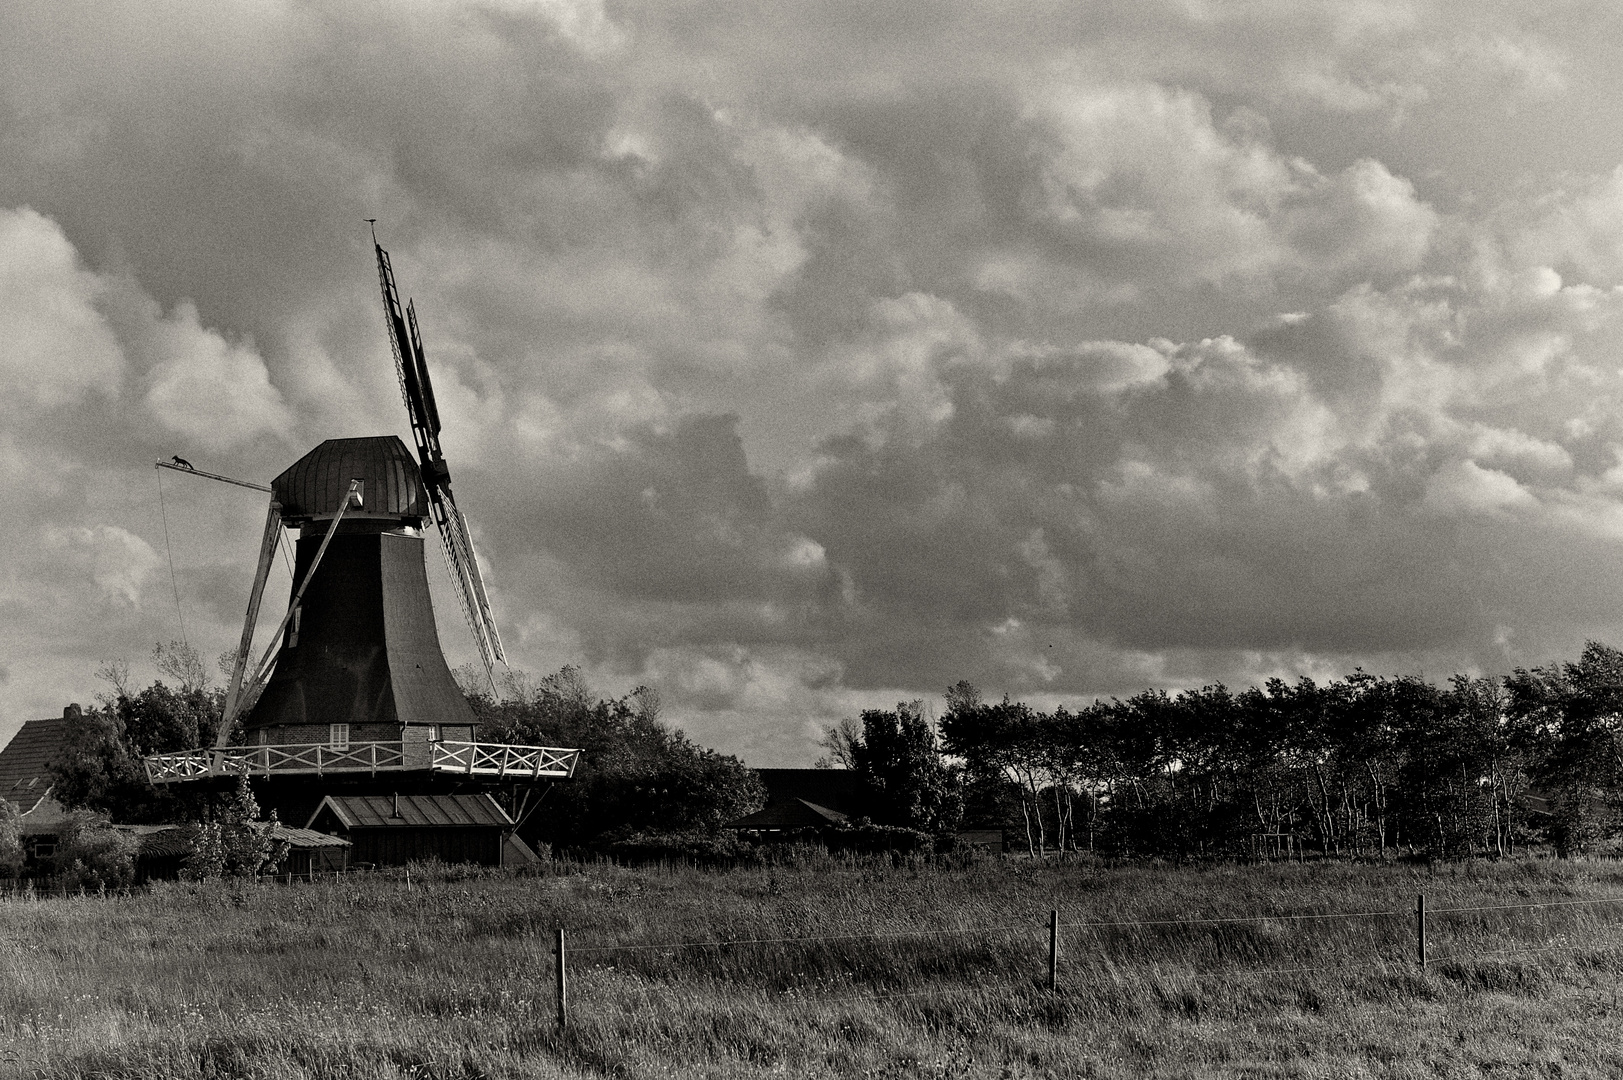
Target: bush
x=234, y=843
x=11, y=840
x=93, y=855
x=635, y=773
x=863, y=837
x=693, y=846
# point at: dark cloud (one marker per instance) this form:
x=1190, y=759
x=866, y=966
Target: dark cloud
x=799, y=357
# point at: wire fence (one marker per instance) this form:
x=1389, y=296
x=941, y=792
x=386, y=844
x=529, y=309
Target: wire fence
x=1404, y=944
x=1418, y=962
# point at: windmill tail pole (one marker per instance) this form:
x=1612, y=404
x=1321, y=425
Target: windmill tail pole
x=210, y=476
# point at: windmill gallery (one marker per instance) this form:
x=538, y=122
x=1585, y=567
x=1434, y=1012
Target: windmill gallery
x=351, y=719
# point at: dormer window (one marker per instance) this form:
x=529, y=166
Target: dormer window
x=339, y=737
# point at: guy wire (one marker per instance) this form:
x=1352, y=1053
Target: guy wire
x=170, y=551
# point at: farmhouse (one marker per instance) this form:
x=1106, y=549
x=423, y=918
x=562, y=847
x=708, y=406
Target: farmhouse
x=25, y=780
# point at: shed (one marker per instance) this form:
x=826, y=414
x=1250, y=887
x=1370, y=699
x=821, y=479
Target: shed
x=160, y=851
x=986, y=839
x=392, y=830
x=310, y=852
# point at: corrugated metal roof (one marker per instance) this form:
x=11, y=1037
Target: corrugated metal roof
x=378, y=811
x=157, y=841
x=307, y=838
x=314, y=485
x=24, y=763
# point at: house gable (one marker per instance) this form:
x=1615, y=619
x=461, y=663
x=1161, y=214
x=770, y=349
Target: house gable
x=25, y=761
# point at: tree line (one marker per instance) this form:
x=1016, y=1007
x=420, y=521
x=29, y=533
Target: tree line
x=1364, y=765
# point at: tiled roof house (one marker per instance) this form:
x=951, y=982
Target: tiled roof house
x=25, y=779
x=25, y=775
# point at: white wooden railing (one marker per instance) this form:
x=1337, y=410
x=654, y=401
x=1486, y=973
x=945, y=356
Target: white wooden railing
x=493, y=760
x=502, y=760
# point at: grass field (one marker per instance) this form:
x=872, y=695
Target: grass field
x=370, y=977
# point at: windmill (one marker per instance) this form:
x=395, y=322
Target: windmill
x=352, y=694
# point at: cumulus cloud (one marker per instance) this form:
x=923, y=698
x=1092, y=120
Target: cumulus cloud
x=805, y=359
x=57, y=345
x=118, y=561
x=214, y=392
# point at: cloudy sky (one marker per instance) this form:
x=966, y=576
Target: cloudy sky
x=801, y=358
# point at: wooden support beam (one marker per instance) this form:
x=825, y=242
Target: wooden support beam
x=267, y=555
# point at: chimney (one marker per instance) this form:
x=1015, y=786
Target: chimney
x=72, y=712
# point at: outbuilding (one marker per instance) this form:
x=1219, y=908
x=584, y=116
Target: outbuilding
x=393, y=830
x=311, y=853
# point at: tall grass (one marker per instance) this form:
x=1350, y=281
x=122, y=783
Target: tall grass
x=450, y=977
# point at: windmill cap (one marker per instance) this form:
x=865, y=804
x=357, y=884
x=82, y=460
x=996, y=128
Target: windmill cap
x=315, y=485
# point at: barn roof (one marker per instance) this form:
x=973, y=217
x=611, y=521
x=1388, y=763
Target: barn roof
x=839, y=790
x=157, y=841
x=25, y=775
x=307, y=838
x=314, y=485
x=378, y=811
x=789, y=814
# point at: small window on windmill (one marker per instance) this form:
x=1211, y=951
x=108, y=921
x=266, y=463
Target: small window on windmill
x=339, y=738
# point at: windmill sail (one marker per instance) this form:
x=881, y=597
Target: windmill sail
x=411, y=365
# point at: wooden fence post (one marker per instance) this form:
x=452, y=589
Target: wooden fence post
x=1420, y=928
x=558, y=966
x=1053, y=949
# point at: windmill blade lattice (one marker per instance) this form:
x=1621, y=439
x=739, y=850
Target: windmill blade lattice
x=463, y=566
x=417, y=390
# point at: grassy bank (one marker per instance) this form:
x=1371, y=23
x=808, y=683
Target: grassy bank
x=368, y=977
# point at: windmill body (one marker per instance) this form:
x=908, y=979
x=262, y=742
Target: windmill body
x=354, y=698
x=362, y=653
